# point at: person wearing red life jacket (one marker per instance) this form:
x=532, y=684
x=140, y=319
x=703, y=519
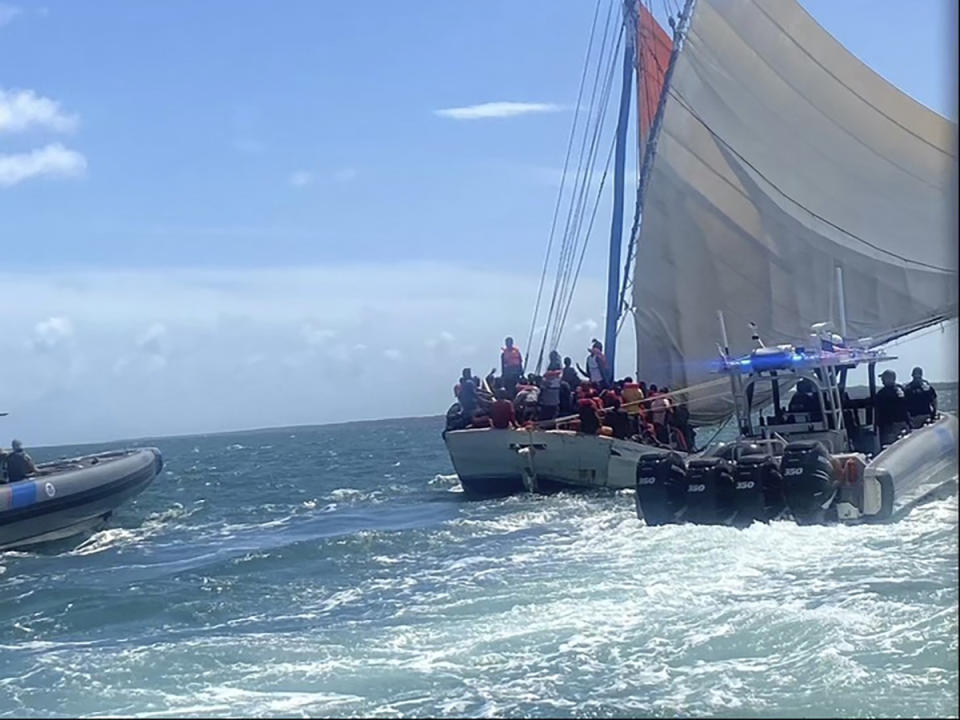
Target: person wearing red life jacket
x=589, y=416
x=501, y=412
x=511, y=365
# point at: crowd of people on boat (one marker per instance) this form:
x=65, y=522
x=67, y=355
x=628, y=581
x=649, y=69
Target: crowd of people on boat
x=588, y=400
x=571, y=397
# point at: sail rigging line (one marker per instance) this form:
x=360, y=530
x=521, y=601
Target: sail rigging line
x=566, y=291
x=906, y=335
x=847, y=87
x=563, y=176
x=679, y=33
x=672, y=395
x=575, y=218
x=586, y=241
x=685, y=105
x=732, y=266
x=713, y=56
x=565, y=243
x=585, y=172
x=720, y=429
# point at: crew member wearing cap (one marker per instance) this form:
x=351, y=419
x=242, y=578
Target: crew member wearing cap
x=19, y=464
x=921, y=399
x=891, y=408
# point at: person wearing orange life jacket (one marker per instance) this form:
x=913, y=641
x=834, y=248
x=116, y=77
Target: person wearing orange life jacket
x=511, y=365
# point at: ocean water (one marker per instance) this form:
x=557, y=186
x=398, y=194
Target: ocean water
x=338, y=571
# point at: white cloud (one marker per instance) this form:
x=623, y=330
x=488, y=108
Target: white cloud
x=497, y=110
x=52, y=332
x=345, y=175
x=23, y=109
x=301, y=178
x=314, y=335
x=242, y=356
x=53, y=160
x=8, y=13
x=589, y=324
x=152, y=339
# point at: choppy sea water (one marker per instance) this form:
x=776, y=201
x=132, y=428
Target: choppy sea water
x=339, y=571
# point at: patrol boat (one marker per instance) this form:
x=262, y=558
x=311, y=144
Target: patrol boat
x=72, y=496
x=771, y=160
x=822, y=466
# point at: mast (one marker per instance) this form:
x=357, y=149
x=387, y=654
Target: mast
x=679, y=32
x=620, y=156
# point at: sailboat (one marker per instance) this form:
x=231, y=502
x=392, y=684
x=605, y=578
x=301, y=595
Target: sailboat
x=782, y=184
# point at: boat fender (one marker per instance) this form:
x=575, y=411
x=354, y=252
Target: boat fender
x=887, y=492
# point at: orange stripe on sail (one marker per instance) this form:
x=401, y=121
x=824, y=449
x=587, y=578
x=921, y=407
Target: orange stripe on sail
x=653, y=55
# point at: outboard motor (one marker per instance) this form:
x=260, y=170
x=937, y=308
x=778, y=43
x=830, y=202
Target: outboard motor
x=710, y=491
x=758, y=490
x=809, y=480
x=661, y=488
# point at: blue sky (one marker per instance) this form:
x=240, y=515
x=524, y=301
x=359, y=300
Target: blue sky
x=236, y=214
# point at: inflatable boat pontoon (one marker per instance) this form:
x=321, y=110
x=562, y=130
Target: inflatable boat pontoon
x=68, y=497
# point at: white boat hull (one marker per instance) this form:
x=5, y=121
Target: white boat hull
x=492, y=462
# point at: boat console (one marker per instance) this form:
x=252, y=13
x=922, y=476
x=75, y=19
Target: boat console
x=828, y=415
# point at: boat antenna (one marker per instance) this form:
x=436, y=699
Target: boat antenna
x=619, y=161
x=723, y=334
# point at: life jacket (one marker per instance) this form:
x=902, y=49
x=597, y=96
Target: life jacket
x=512, y=358
x=632, y=394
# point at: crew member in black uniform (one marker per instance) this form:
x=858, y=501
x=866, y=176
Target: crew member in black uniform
x=921, y=399
x=891, y=408
x=805, y=401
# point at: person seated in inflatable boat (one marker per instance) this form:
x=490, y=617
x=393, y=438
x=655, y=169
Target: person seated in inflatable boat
x=19, y=465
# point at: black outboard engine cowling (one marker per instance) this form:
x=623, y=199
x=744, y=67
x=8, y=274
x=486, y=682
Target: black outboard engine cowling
x=710, y=491
x=809, y=480
x=661, y=488
x=758, y=489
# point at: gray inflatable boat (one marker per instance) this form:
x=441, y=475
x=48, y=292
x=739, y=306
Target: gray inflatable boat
x=69, y=497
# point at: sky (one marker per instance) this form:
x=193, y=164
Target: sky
x=228, y=215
